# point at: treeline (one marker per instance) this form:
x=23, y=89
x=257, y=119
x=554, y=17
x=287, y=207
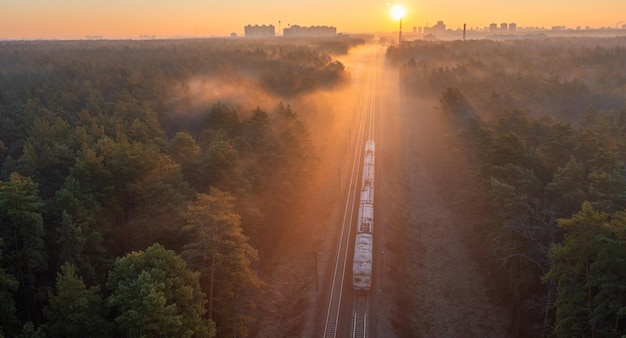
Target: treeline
x=545, y=191
x=100, y=76
x=116, y=220
x=559, y=77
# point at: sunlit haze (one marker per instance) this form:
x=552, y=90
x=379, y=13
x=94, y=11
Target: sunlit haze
x=33, y=19
x=398, y=12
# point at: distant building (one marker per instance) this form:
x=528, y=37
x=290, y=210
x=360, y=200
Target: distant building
x=504, y=27
x=493, y=27
x=439, y=28
x=257, y=31
x=512, y=27
x=296, y=30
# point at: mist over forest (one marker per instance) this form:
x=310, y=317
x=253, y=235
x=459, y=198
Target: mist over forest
x=536, y=134
x=144, y=185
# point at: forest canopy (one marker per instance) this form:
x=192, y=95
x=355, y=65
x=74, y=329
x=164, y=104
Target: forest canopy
x=120, y=211
x=559, y=77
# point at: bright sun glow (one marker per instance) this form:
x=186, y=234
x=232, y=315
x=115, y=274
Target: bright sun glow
x=398, y=12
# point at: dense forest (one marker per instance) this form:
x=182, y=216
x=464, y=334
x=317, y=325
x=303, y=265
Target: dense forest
x=542, y=124
x=124, y=214
x=128, y=209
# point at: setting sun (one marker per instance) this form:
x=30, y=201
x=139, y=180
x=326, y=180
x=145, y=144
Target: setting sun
x=133, y=19
x=398, y=12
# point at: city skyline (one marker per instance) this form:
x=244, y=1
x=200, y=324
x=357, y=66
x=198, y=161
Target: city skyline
x=73, y=19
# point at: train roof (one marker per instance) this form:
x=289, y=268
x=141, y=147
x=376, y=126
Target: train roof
x=362, y=254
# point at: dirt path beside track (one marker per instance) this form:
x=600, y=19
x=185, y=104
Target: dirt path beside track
x=433, y=285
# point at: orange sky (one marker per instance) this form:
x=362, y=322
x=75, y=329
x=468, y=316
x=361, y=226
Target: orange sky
x=75, y=19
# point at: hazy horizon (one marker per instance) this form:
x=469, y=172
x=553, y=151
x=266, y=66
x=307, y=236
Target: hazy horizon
x=72, y=19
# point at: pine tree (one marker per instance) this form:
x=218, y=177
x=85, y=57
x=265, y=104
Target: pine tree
x=572, y=272
x=75, y=310
x=21, y=227
x=220, y=251
x=8, y=287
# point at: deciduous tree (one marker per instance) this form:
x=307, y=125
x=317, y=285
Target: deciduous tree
x=154, y=294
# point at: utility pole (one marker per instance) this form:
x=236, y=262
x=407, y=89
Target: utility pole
x=400, y=32
x=211, y=286
x=316, y=281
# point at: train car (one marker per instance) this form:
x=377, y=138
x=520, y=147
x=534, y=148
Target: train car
x=368, y=163
x=367, y=194
x=362, y=264
x=365, y=221
x=370, y=149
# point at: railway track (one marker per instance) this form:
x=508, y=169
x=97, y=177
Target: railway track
x=342, y=270
x=339, y=276
x=360, y=320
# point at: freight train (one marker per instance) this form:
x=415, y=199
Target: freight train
x=362, y=263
